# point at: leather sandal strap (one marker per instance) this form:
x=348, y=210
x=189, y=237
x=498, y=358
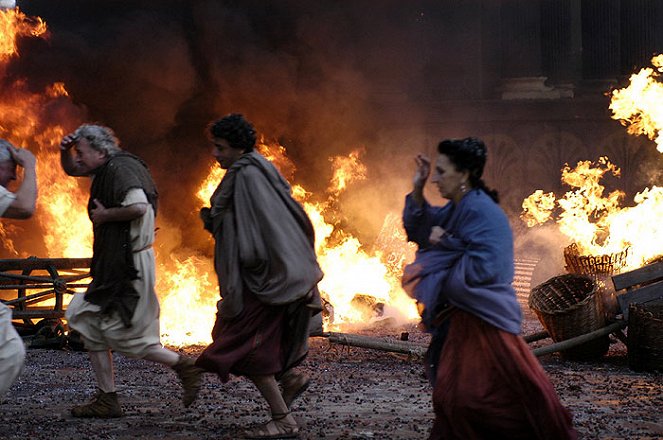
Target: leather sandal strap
x=280, y=416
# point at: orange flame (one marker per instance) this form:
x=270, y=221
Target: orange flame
x=638, y=106
x=346, y=170
x=66, y=227
x=350, y=269
x=186, y=283
x=14, y=24
x=596, y=222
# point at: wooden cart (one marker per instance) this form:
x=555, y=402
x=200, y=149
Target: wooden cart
x=35, y=289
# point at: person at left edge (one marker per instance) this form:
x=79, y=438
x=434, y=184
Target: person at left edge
x=16, y=205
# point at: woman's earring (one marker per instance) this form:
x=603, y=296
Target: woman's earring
x=463, y=188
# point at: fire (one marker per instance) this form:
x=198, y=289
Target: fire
x=24, y=121
x=186, y=282
x=638, y=106
x=188, y=296
x=351, y=271
x=14, y=24
x=346, y=170
x=595, y=221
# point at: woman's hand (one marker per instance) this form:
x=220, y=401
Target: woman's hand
x=436, y=235
x=422, y=172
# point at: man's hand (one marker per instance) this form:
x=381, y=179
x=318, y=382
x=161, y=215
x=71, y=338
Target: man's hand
x=205, y=214
x=23, y=157
x=98, y=214
x=68, y=141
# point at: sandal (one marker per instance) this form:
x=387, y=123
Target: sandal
x=293, y=387
x=274, y=429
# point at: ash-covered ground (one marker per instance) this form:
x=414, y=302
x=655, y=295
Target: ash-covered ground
x=356, y=394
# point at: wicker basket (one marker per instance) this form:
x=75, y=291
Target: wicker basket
x=594, y=265
x=645, y=336
x=600, y=268
x=570, y=305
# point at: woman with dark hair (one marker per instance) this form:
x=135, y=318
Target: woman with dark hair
x=268, y=273
x=486, y=382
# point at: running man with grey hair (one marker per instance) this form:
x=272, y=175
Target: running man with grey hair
x=18, y=205
x=120, y=309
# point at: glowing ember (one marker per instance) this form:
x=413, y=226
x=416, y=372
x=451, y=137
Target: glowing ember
x=638, y=106
x=596, y=222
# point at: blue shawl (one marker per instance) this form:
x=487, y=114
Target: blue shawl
x=470, y=268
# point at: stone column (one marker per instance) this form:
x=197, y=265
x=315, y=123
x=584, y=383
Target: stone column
x=520, y=29
x=561, y=45
x=600, y=42
x=638, y=36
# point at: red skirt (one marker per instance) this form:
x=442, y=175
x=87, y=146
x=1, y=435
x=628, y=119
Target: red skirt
x=489, y=385
x=249, y=344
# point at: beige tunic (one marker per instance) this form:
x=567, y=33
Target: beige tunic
x=12, y=351
x=108, y=332
x=6, y=199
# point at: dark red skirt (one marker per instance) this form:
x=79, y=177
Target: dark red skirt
x=249, y=344
x=489, y=385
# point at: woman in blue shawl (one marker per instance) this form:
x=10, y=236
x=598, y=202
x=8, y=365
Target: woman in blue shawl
x=486, y=381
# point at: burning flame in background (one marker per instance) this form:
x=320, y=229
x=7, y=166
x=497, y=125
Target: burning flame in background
x=595, y=221
x=638, y=106
x=186, y=282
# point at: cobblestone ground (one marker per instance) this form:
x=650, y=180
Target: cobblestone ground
x=356, y=394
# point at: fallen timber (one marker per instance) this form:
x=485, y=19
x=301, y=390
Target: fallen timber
x=40, y=285
x=395, y=346
x=418, y=350
x=578, y=340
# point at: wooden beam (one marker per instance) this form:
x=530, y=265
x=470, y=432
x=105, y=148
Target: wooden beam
x=394, y=346
x=648, y=273
x=536, y=336
x=578, y=340
x=34, y=263
x=643, y=294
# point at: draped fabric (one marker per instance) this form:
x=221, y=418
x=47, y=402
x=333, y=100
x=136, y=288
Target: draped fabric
x=471, y=268
x=12, y=351
x=264, y=239
x=493, y=388
x=6, y=199
x=486, y=382
x=101, y=331
x=267, y=269
x=112, y=267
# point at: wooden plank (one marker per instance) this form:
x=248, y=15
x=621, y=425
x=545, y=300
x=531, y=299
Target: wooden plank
x=578, y=340
x=536, y=336
x=37, y=314
x=650, y=272
x=638, y=296
x=43, y=263
x=394, y=346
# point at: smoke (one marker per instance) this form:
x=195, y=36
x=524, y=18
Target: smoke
x=315, y=76
x=546, y=244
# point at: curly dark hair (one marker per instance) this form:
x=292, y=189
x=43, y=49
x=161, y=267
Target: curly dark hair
x=235, y=129
x=470, y=155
